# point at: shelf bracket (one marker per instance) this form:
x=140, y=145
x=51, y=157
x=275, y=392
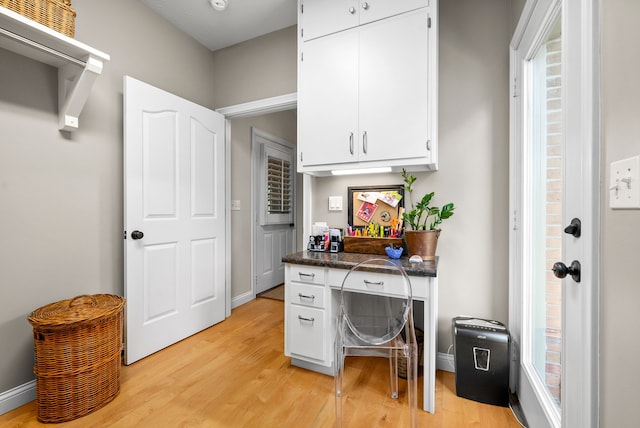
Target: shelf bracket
x=74, y=86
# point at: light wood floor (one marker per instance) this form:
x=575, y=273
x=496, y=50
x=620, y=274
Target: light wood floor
x=235, y=374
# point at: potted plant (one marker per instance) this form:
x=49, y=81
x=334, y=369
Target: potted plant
x=422, y=221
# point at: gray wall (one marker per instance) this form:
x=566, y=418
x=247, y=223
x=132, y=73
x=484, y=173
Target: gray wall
x=61, y=195
x=620, y=229
x=473, y=163
x=260, y=68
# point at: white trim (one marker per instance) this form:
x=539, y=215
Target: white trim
x=445, y=362
x=18, y=396
x=242, y=299
x=259, y=107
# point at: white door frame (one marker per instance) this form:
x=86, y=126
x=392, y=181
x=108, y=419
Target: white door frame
x=579, y=405
x=252, y=109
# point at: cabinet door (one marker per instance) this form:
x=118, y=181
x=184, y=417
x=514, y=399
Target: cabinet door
x=328, y=100
x=306, y=334
x=393, y=102
x=322, y=17
x=373, y=10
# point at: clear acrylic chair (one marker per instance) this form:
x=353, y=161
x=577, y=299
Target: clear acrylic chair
x=376, y=319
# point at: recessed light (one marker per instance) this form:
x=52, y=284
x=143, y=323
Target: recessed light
x=219, y=5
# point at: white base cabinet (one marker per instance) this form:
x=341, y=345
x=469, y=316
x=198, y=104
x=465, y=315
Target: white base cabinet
x=312, y=298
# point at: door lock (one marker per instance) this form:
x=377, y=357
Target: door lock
x=136, y=234
x=575, y=228
x=560, y=270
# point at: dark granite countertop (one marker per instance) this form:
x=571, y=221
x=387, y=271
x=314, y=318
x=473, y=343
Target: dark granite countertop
x=344, y=260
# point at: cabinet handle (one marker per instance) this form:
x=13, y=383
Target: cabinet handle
x=370, y=283
x=364, y=142
x=351, y=143
x=352, y=10
x=301, y=318
x=304, y=296
x=365, y=5
x=309, y=275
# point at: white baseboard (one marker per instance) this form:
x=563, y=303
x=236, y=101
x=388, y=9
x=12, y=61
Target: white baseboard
x=242, y=299
x=445, y=362
x=18, y=396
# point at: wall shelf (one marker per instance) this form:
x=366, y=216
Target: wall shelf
x=78, y=64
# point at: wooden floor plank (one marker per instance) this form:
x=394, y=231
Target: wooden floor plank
x=235, y=374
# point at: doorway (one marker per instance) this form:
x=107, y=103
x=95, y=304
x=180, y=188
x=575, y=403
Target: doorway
x=275, y=116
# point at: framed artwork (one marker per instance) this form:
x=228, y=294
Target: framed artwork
x=374, y=204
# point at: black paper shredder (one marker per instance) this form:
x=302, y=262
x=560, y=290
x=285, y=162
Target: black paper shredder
x=481, y=352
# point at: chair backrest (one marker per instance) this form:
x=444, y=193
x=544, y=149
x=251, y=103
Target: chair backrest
x=376, y=300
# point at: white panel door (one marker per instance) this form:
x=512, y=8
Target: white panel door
x=174, y=218
x=275, y=226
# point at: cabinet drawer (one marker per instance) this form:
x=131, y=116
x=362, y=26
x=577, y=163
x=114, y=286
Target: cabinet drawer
x=307, y=274
x=306, y=294
x=391, y=284
x=306, y=334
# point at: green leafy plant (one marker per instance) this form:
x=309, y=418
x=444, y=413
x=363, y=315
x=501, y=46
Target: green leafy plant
x=422, y=214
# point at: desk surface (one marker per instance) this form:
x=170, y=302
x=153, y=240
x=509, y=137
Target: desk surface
x=344, y=260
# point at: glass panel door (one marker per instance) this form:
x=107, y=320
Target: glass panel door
x=542, y=344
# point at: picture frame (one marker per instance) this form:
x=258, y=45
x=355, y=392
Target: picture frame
x=362, y=209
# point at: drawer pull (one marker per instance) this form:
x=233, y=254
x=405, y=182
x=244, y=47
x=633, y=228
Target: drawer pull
x=304, y=296
x=371, y=283
x=307, y=275
x=301, y=318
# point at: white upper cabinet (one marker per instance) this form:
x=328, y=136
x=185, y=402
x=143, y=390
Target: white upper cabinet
x=368, y=96
x=321, y=17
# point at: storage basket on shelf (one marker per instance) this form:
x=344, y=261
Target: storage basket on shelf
x=77, y=344
x=55, y=14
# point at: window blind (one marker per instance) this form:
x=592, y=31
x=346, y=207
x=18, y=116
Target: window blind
x=278, y=186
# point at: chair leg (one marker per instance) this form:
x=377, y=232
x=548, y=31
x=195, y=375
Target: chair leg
x=412, y=384
x=393, y=372
x=339, y=362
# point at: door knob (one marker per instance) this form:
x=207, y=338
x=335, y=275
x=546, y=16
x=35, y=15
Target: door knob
x=574, y=228
x=560, y=270
x=352, y=10
x=365, y=5
x=136, y=234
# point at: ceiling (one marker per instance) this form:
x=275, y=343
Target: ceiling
x=242, y=20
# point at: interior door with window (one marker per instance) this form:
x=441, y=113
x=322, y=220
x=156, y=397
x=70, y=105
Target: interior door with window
x=275, y=219
x=554, y=176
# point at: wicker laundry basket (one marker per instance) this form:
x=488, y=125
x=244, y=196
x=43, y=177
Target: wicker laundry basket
x=77, y=343
x=55, y=14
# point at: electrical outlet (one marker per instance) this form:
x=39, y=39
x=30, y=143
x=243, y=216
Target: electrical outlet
x=624, y=184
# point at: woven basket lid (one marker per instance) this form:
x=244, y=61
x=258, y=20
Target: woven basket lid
x=78, y=310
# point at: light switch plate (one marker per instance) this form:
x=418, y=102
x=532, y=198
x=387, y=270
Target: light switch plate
x=624, y=184
x=235, y=205
x=335, y=203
